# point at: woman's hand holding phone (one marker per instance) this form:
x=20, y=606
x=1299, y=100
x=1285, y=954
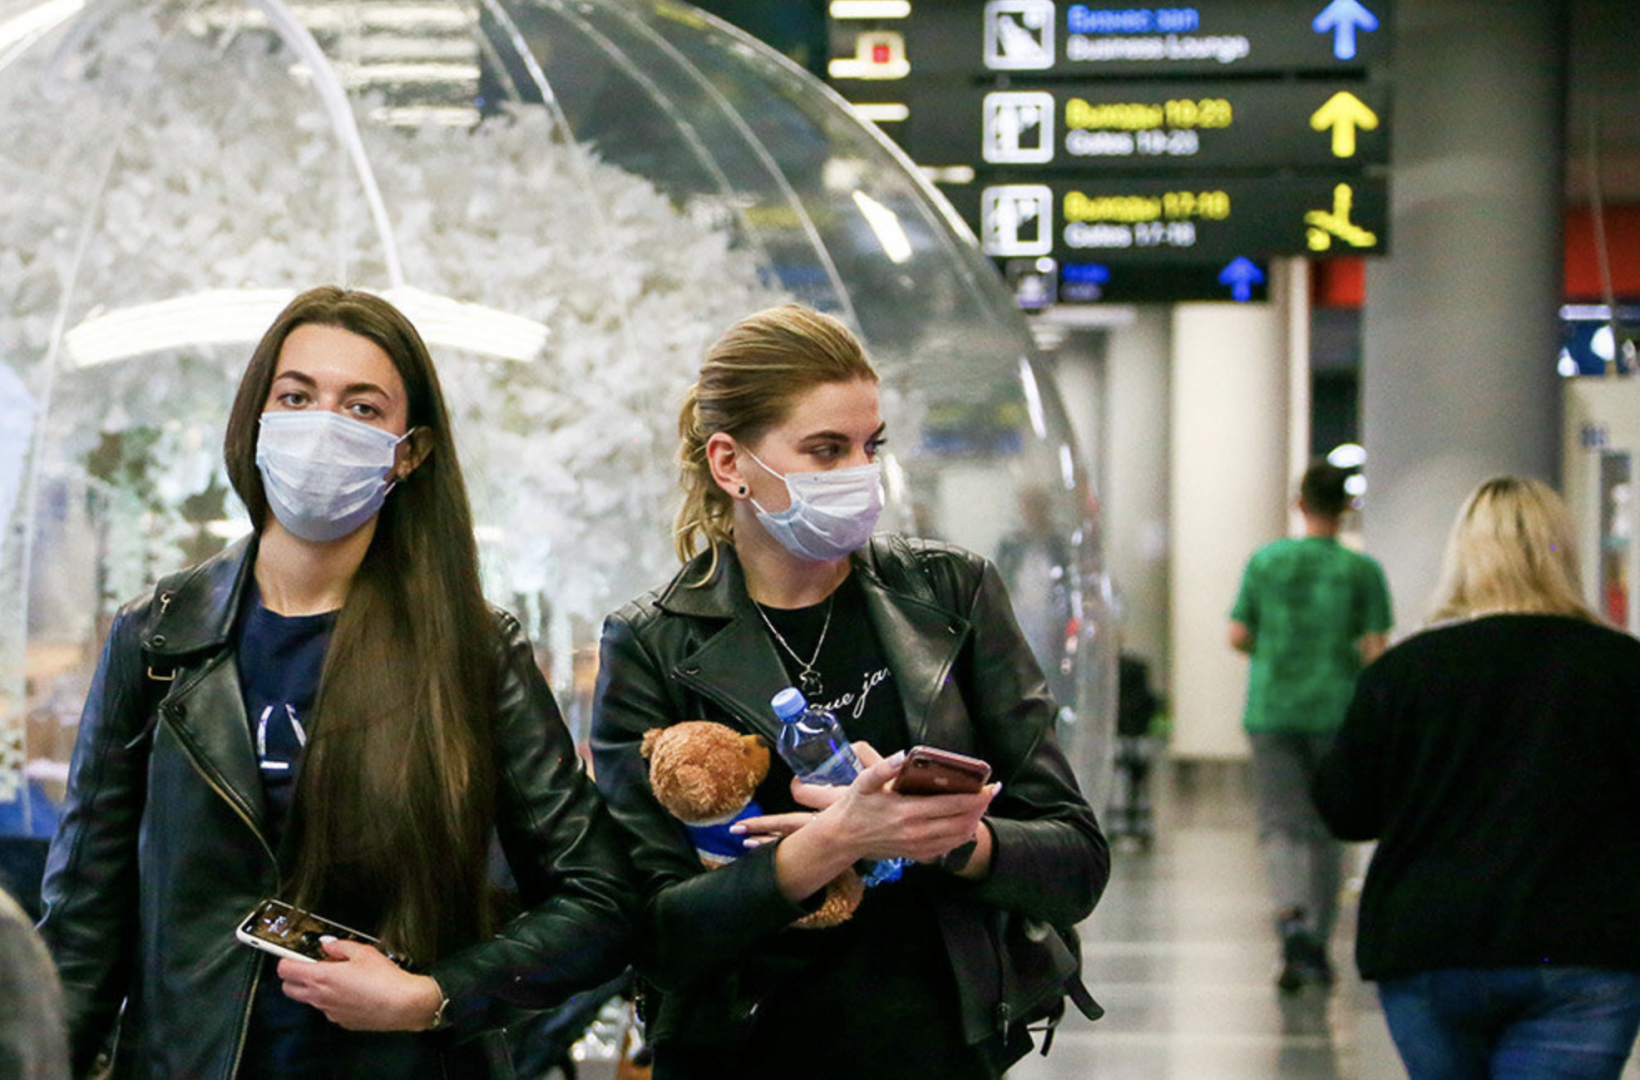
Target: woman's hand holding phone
x=877, y=822
x=881, y=822
x=869, y=820
x=362, y=990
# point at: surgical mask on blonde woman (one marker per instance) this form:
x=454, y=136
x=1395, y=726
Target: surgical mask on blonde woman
x=832, y=513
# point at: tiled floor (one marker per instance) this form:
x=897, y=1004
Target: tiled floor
x=1182, y=956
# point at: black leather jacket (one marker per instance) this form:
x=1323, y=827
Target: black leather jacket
x=161, y=850
x=968, y=683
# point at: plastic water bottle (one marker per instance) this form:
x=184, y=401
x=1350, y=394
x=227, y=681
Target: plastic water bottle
x=812, y=742
x=816, y=748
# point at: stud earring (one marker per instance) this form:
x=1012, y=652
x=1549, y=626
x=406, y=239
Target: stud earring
x=742, y=489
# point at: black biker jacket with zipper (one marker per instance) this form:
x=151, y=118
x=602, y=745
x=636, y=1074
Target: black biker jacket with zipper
x=697, y=650
x=162, y=851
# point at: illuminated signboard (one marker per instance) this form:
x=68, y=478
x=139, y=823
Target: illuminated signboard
x=1123, y=152
x=1191, y=219
x=1083, y=282
x=1152, y=126
x=1221, y=37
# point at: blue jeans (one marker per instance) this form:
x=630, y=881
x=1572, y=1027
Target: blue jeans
x=1464, y=1023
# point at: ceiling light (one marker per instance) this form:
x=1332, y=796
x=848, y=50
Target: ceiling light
x=870, y=9
x=37, y=20
x=887, y=113
x=241, y=316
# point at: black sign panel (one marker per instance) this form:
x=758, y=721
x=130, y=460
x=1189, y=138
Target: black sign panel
x=1041, y=281
x=1055, y=37
x=1154, y=127
x=1108, y=220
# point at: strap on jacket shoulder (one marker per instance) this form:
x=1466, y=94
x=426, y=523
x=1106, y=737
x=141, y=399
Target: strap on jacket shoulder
x=158, y=675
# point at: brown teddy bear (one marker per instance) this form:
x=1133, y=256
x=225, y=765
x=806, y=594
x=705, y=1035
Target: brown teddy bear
x=705, y=775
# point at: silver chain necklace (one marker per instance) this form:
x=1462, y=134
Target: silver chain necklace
x=807, y=677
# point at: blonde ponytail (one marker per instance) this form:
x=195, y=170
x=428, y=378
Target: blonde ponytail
x=706, y=511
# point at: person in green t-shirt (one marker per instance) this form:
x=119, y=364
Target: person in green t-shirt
x=1311, y=613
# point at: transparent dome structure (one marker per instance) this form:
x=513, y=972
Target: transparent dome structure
x=570, y=199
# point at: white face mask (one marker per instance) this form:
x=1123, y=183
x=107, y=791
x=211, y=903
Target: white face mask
x=831, y=514
x=324, y=474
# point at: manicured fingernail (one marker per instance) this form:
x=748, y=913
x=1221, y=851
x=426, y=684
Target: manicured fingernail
x=896, y=757
x=737, y=829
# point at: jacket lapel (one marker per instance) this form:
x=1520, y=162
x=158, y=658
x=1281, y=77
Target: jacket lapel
x=922, y=642
x=207, y=715
x=738, y=668
x=735, y=665
x=187, y=635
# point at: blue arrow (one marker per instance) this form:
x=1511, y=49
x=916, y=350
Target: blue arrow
x=1343, y=18
x=1090, y=273
x=1241, y=275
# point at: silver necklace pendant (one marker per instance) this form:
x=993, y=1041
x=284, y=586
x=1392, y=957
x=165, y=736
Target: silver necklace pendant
x=807, y=677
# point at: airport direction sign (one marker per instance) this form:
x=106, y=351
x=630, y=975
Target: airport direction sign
x=1109, y=220
x=1220, y=37
x=1240, y=279
x=1154, y=126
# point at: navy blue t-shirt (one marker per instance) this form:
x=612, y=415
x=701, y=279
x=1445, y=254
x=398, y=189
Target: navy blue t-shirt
x=280, y=658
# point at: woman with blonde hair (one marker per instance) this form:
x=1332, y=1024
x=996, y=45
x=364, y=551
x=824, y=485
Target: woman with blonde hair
x=1511, y=549
x=1493, y=757
x=908, y=642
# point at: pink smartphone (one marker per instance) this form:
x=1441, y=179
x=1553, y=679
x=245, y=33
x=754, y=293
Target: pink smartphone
x=930, y=771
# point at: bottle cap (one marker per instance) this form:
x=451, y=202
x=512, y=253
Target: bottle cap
x=789, y=704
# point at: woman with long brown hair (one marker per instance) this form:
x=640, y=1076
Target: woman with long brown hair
x=329, y=714
x=1494, y=757
x=907, y=641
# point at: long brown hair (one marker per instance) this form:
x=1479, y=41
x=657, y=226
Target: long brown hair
x=748, y=382
x=396, y=794
x=1511, y=550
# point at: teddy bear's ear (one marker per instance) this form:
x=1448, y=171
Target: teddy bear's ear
x=756, y=749
x=650, y=738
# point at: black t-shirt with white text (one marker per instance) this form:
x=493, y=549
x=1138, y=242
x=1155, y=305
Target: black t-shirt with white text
x=874, y=996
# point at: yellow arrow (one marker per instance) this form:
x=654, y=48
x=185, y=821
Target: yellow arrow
x=1323, y=225
x=1344, y=112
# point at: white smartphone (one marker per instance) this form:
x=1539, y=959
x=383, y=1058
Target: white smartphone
x=285, y=930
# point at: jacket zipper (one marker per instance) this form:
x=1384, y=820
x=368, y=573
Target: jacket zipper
x=245, y=1018
x=722, y=701
x=256, y=970
x=228, y=798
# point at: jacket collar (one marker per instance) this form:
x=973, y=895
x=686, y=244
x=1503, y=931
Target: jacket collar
x=194, y=611
x=737, y=665
x=190, y=625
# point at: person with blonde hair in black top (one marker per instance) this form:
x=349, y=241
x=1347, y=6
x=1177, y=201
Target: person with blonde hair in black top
x=907, y=642
x=1493, y=756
